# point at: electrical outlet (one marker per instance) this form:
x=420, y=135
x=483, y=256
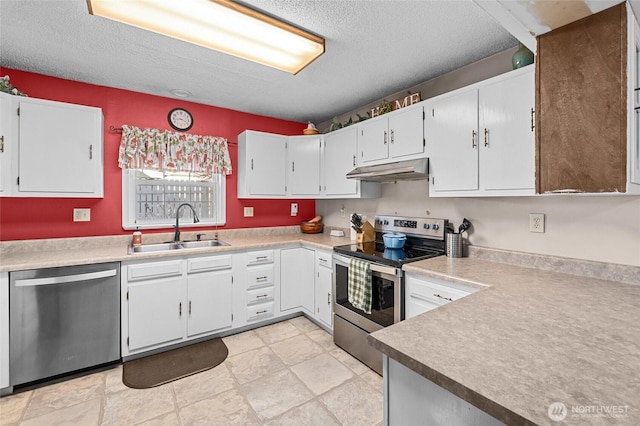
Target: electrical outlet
x=536, y=222
x=81, y=215
x=342, y=212
x=248, y=212
x=294, y=209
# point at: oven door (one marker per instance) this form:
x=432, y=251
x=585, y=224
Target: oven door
x=386, y=292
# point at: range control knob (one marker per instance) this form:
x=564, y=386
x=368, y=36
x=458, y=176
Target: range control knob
x=426, y=226
x=436, y=226
x=386, y=222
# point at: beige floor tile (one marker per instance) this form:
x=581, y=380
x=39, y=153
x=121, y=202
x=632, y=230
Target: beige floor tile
x=277, y=332
x=12, y=407
x=373, y=378
x=227, y=408
x=170, y=419
x=86, y=413
x=276, y=393
x=322, y=373
x=65, y=394
x=351, y=362
x=323, y=338
x=203, y=385
x=132, y=406
x=296, y=349
x=304, y=324
x=355, y=403
x=114, y=380
x=243, y=342
x=310, y=414
x=254, y=364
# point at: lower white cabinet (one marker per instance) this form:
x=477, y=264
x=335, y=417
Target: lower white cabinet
x=423, y=294
x=296, y=279
x=258, y=287
x=4, y=329
x=324, y=276
x=170, y=301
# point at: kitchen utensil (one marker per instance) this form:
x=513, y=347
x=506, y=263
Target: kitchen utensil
x=465, y=225
x=454, y=245
x=394, y=240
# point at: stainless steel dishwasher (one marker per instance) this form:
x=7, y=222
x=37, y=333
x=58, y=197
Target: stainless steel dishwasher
x=63, y=320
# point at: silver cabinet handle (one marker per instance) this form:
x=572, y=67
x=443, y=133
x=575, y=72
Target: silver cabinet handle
x=391, y=135
x=2, y=144
x=385, y=138
x=473, y=138
x=65, y=278
x=354, y=157
x=189, y=307
x=261, y=258
x=293, y=166
x=486, y=137
x=328, y=298
x=261, y=312
x=261, y=278
x=442, y=297
x=180, y=310
x=260, y=296
x=252, y=164
x=533, y=126
x=91, y=152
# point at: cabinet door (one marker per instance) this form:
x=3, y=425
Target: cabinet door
x=297, y=279
x=373, y=140
x=304, y=165
x=4, y=329
x=324, y=276
x=7, y=140
x=156, y=312
x=340, y=149
x=507, y=150
x=267, y=164
x=60, y=148
x=208, y=301
x=451, y=130
x=406, y=133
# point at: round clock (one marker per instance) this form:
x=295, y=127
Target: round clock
x=180, y=119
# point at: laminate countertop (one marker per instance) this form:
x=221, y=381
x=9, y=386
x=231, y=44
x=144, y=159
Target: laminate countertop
x=34, y=254
x=527, y=339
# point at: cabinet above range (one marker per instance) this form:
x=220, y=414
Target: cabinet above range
x=50, y=149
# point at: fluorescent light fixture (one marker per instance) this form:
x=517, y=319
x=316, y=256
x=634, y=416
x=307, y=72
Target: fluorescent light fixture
x=220, y=25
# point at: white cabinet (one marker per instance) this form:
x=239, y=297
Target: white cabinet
x=304, y=165
x=7, y=105
x=4, y=330
x=296, y=279
x=480, y=139
x=323, y=284
x=262, y=162
x=423, y=294
x=258, y=288
x=395, y=136
x=339, y=158
x=171, y=301
x=55, y=148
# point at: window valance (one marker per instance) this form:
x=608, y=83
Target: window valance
x=163, y=150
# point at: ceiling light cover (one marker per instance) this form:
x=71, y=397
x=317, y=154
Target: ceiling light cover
x=220, y=25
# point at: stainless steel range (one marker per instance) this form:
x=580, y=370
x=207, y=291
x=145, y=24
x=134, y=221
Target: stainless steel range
x=425, y=239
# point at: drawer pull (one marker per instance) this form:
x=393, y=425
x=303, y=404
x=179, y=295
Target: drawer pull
x=261, y=312
x=261, y=278
x=261, y=296
x=442, y=297
x=328, y=298
x=261, y=257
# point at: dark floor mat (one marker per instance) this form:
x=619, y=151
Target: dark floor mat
x=155, y=370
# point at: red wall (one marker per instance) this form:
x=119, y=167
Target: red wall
x=33, y=218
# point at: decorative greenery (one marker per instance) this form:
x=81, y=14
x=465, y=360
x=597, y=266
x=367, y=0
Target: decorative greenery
x=335, y=124
x=384, y=107
x=7, y=87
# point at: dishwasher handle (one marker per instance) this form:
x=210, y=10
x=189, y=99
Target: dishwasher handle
x=66, y=278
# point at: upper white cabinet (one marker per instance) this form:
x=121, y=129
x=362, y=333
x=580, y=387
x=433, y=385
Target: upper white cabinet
x=395, y=136
x=50, y=149
x=480, y=139
x=339, y=157
x=304, y=165
x=262, y=162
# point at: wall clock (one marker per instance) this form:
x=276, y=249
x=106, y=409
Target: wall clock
x=180, y=119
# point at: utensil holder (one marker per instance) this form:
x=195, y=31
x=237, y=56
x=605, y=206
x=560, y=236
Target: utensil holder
x=454, y=245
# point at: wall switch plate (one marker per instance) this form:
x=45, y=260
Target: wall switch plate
x=248, y=212
x=294, y=209
x=81, y=215
x=536, y=222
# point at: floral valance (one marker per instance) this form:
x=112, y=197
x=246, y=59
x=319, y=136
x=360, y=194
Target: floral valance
x=164, y=150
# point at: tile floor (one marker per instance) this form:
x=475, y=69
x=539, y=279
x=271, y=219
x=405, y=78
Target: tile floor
x=288, y=373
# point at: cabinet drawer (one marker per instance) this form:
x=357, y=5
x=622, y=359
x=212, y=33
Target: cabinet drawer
x=146, y=271
x=261, y=311
x=323, y=259
x=259, y=277
x=210, y=263
x=264, y=256
x=259, y=295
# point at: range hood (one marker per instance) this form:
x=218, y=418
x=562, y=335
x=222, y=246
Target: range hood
x=401, y=170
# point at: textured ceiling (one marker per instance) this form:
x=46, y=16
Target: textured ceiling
x=373, y=48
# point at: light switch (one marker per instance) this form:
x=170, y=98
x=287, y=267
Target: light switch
x=248, y=212
x=81, y=215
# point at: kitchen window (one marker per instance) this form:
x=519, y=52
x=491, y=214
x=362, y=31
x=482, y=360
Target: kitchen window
x=150, y=198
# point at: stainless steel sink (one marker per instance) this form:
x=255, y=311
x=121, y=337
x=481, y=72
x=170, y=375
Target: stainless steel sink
x=149, y=248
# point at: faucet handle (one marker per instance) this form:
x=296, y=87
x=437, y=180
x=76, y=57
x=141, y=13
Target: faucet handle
x=198, y=236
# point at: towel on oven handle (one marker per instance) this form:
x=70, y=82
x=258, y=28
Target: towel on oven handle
x=359, y=285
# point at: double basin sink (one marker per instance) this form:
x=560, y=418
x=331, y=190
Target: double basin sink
x=170, y=246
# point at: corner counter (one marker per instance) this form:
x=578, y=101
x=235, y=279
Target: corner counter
x=527, y=339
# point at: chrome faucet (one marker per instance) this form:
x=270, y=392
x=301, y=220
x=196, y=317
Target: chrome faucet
x=176, y=237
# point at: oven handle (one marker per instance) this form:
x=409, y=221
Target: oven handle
x=388, y=270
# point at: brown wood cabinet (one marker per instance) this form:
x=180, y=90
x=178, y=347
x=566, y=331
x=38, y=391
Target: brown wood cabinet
x=581, y=105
